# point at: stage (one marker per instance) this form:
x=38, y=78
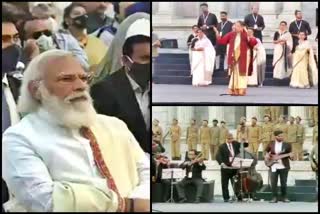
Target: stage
x=220, y=206
x=162, y=93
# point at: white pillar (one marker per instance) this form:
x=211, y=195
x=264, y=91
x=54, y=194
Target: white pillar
x=216, y=112
x=252, y=111
x=300, y=111
x=165, y=8
x=184, y=116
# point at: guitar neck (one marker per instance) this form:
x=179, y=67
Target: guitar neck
x=284, y=155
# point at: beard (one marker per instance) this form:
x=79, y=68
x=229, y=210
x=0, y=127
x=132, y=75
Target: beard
x=75, y=111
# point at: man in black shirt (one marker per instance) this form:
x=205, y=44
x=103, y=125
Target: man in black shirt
x=255, y=21
x=194, y=169
x=297, y=26
x=206, y=22
x=224, y=27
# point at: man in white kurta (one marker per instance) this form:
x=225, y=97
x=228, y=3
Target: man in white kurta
x=50, y=166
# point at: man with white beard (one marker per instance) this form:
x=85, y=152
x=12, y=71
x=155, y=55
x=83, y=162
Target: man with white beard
x=62, y=156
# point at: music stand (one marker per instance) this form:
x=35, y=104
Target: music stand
x=172, y=173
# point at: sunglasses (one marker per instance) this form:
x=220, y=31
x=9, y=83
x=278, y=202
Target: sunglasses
x=9, y=38
x=36, y=35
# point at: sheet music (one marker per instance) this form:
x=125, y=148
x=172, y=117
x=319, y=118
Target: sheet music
x=177, y=173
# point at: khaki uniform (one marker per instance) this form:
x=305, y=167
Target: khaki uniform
x=157, y=133
x=223, y=134
x=273, y=111
x=281, y=127
x=192, y=137
x=313, y=114
x=205, y=138
x=292, y=139
x=254, y=135
x=314, y=134
x=266, y=134
x=242, y=135
x=215, y=131
x=175, y=132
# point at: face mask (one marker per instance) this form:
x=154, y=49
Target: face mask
x=10, y=57
x=80, y=21
x=140, y=73
x=45, y=43
x=54, y=24
x=94, y=22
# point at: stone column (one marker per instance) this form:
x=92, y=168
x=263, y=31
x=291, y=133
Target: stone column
x=299, y=111
x=184, y=116
x=216, y=112
x=252, y=111
x=216, y=8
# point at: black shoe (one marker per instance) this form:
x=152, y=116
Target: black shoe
x=274, y=200
x=183, y=200
x=226, y=200
x=197, y=201
x=285, y=200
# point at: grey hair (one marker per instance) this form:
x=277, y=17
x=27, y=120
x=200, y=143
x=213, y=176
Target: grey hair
x=34, y=72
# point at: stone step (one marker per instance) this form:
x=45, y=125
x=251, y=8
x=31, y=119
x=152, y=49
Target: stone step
x=187, y=80
x=306, y=182
x=302, y=197
x=292, y=189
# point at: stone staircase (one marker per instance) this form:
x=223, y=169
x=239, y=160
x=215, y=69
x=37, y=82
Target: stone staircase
x=174, y=68
x=303, y=190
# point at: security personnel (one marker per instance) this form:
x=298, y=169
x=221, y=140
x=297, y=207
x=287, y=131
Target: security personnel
x=175, y=133
x=215, y=130
x=254, y=135
x=223, y=132
x=192, y=135
x=282, y=126
x=157, y=133
x=205, y=138
x=266, y=132
x=292, y=139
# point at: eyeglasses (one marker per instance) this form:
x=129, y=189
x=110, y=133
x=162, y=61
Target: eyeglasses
x=36, y=35
x=9, y=38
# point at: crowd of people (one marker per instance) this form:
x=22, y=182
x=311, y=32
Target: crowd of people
x=76, y=107
x=238, y=47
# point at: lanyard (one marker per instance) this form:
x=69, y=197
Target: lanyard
x=222, y=25
x=255, y=19
x=299, y=24
x=205, y=18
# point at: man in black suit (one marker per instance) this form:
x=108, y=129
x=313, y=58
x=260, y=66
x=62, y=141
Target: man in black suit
x=224, y=27
x=297, y=26
x=206, y=22
x=125, y=94
x=194, y=169
x=281, y=168
x=225, y=155
x=255, y=21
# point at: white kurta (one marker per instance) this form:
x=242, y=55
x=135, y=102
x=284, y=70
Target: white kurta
x=203, y=62
x=38, y=155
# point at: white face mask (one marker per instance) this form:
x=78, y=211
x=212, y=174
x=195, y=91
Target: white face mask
x=45, y=43
x=54, y=25
x=109, y=11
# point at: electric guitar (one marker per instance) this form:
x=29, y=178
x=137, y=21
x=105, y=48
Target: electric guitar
x=274, y=159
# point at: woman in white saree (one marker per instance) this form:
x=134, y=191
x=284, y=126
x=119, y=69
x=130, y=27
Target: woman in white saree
x=259, y=63
x=305, y=70
x=202, y=63
x=282, y=57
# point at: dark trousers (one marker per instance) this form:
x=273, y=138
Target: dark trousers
x=5, y=194
x=166, y=184
x=198, y=182
x=283, y=173
x=226, y=175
